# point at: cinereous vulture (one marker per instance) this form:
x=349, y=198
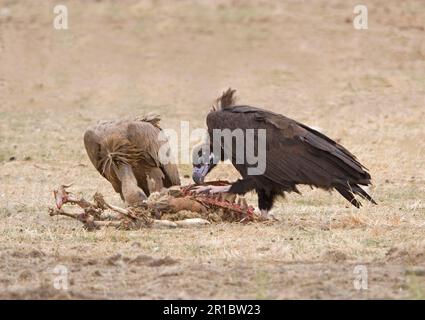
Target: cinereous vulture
x=295, y=154
x=125, y=152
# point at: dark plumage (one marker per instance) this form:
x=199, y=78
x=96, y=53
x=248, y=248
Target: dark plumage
x=295, y=154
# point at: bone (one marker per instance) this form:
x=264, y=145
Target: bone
x=194, y=222
x=101, y=202
x=164, y=224
x=60, y=212
x=62, y=196
x=86, y=219
x=119, y=210
x=244, y=204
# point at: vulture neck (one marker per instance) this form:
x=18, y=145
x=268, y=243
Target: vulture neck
x=129, y=186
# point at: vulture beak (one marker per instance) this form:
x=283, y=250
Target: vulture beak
x=200, y=172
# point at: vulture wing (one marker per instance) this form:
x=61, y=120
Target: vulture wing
x=295, y=153
x=131, y=142
x=144, y=135
x=92, y=145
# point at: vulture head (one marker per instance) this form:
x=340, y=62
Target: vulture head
x=203, y=158
x=203, y=162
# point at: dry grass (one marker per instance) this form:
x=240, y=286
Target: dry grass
x=366, y=88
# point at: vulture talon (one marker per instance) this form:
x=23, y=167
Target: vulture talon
x=244, y=204
x=266, y=216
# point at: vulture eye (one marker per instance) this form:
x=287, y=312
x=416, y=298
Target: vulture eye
x=201, y=156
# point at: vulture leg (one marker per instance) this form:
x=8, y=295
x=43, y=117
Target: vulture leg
x=155, y=180
x=265, y=197
x=265, y=202
x=132, y=194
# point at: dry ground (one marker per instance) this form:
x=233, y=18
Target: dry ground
x=302, y=59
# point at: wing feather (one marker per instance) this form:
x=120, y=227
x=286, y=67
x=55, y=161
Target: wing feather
x=145, y=136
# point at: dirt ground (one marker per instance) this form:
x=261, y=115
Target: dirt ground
x=126, y=58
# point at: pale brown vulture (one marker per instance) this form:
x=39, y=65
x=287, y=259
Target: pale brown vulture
x=125, y=152
x=295, y=154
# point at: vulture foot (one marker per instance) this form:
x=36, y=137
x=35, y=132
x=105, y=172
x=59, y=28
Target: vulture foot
x=268, y=216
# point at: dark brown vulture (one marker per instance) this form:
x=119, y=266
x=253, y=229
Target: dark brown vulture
x=125, y=152
x=294, y=154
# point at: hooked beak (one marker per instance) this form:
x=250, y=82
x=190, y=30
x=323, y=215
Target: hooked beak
x=199, y=173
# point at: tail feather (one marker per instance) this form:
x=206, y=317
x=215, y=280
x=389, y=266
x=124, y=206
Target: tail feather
x=359, y=191
x=348, y=192
x=117, y=151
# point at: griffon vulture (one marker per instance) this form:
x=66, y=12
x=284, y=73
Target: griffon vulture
x=125, y=152
x=294, y=154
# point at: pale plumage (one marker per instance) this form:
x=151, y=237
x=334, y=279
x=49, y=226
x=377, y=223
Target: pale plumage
x=125, y=152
